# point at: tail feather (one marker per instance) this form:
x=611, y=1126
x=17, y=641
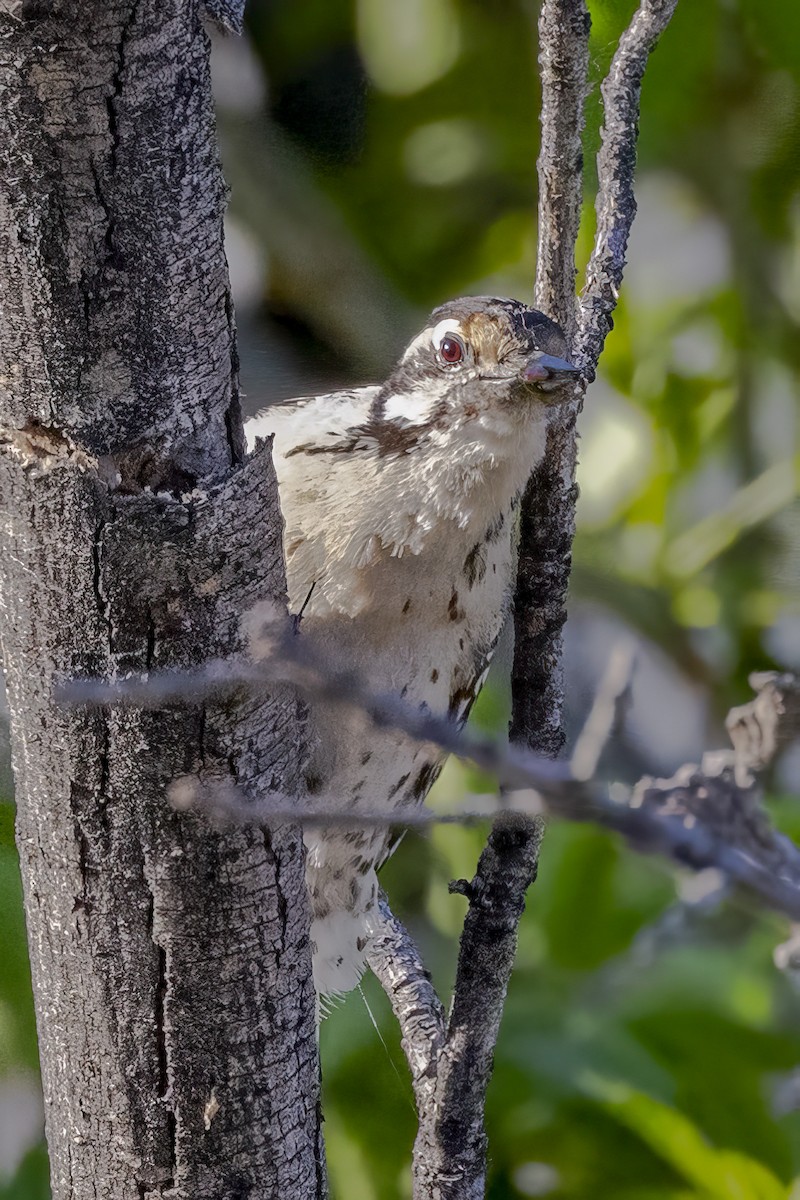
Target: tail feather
x=339, y=942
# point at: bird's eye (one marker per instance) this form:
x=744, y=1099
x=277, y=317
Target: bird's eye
x=451, y=349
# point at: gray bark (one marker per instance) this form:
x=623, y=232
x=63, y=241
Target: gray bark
x=170, y=962
x=547, y=517
x=564, y=27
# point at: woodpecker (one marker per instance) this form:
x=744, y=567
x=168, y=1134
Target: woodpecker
x=399, y=502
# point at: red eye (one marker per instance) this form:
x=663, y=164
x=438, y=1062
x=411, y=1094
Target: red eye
x=451, y=350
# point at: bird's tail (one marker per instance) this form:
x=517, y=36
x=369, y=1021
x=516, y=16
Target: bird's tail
x=339, y=942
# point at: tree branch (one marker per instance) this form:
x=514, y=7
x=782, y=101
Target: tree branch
x=606, y=712
x=616, y=163
x=547, y=514
x=133, y=537
x=395, y=960
x=451, y=1061
x=564, y=27
x=547, y=521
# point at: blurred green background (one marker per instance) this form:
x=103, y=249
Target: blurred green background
x=381, y=155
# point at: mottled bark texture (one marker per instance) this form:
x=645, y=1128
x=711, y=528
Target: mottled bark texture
x=547, y=518
x=170, y=962
x=564, y=27
x=450, y=1155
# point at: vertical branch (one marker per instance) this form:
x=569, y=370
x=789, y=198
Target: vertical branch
x=564, y=27
x=547, y=517
x=450, y=1153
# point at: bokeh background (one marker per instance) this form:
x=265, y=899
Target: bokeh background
x=381, y=156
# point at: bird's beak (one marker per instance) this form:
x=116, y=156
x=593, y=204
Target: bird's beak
x=546, y=372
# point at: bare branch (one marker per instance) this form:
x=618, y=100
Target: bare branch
x=451, y=1063
x=396, y=961
x=703, y=818
x=224, y=805
x=547, y=523
x=547, y=512
x=547, y=516
x=564, y=62
x=284, y=658
x=616, y=203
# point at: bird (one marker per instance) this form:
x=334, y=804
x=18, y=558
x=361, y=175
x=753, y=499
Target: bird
x=398, y=502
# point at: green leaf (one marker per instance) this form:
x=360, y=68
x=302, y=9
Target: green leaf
x=32, y=1180
x=721, y=1174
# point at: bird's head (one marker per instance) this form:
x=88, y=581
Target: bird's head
x=479, y=352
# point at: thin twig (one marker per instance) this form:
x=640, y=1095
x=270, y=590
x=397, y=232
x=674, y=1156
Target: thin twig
x=616, y=162
x=225, y=805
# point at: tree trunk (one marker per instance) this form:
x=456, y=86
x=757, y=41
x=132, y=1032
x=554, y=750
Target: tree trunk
x=170, y=962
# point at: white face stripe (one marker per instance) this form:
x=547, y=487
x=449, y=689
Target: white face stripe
x=433, y=336
x=441, y=330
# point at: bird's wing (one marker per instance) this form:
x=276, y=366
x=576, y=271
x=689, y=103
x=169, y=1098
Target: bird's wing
x=320, y=477
x=311, y=420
